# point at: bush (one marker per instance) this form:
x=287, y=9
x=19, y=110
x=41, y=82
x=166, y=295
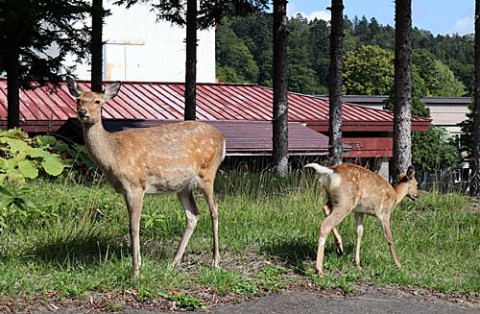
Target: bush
x=22, y=157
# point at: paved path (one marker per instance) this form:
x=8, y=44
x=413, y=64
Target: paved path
x=368, y=303
x=372, y=301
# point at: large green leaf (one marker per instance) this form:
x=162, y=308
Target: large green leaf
x=8, y=164
x=28, y=169
x=16, y=145
x=52, y=165
x=15, y=176
x=36, y=152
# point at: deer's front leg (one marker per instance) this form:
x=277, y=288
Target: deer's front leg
x=385, y=222
x=134, y=200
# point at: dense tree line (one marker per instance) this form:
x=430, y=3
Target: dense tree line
x=442, y=65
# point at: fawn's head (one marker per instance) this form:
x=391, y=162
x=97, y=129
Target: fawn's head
x=411, y=183
x=89, y=104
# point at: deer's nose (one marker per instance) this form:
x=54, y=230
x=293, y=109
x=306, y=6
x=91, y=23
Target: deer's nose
x=82, y=113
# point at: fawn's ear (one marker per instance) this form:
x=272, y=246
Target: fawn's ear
x=75, y=91
x=410, y=172
x=111, y=90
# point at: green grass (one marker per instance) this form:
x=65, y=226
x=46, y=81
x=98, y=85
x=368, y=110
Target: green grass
x=76, y=242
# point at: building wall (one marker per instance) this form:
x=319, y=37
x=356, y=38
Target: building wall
x=137, y=48
x=445, y=112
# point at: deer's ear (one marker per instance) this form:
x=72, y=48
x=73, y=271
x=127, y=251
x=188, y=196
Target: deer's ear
x=111, y=90
x=73, y=88
x=410, y=172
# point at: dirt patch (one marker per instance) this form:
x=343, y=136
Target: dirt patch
x=127, y=301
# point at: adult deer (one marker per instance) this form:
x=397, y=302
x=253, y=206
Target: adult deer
x=172, y=158
x=353, y=188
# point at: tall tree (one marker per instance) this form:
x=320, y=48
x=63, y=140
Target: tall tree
x=402, y=136
x=335, y=84
x=35, y=38
x=280, y=95
x=191, y=62
x=97, y=45
x=475, y=183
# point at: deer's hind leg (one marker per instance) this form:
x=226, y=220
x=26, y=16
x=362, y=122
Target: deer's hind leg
x=206, y=186
x=192, y=216
x=337, y=214
x=336, y=234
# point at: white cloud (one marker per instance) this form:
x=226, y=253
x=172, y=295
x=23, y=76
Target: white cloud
x=462, y=26
x=320, y=15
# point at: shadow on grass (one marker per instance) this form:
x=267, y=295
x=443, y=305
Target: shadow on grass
x=299, y=253
x=86, y=251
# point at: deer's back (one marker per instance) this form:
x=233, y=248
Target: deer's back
x=362, y=189
x=166, y=158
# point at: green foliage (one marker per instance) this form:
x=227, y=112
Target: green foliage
x=24, y=158
x=187, y=302
x=234, y=59
x=269, y=234
x=449, y=85
x=368, y=71
x=466, y=141
x=445, y=63
x=17, y=208
x=433, y=150
x=31, y=28
x=438, y=78
x=246, y=287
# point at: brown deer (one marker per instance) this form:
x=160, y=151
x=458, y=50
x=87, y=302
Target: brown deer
x=353, y=188
x=171, y=158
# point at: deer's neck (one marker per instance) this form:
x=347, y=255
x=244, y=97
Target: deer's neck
x=401, y=190
x=99, y=143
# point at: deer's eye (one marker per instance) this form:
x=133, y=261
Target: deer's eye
x=97, y=102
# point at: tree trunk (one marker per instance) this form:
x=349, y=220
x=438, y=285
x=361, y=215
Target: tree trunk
x=475, y=181
x=402, y=135
x=335, y=84
x=97, y=46
x=191, y=62
x=13, y=88
x=280, y=95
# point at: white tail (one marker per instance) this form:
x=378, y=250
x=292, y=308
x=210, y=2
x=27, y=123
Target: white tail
x=353, y=188
x=166, y=159
x=319, y=169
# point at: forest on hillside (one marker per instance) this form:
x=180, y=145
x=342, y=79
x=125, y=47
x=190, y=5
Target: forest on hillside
x=443, y=65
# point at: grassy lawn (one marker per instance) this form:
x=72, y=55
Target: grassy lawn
x=72, y=240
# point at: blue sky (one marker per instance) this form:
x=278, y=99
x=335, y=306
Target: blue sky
x=438, y=16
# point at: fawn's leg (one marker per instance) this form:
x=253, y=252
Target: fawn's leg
x=385, y=222
x=337, y=214
x=359, y=222
x=336, y=234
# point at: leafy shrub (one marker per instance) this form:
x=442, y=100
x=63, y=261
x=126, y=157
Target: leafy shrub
x=17, y=208
x=186, y=302
x=23, y=158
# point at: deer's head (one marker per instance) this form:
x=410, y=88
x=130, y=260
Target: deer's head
x=411, y=183
x=89, y=104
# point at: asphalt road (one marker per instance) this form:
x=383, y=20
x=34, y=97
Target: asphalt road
x=371, y=301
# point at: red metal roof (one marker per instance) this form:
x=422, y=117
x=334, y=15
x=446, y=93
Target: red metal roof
x=164, y=101
x=242, y=137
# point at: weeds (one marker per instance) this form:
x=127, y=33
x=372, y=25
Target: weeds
x=268, y=231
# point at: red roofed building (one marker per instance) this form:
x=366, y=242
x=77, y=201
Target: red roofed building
x=243, y=111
